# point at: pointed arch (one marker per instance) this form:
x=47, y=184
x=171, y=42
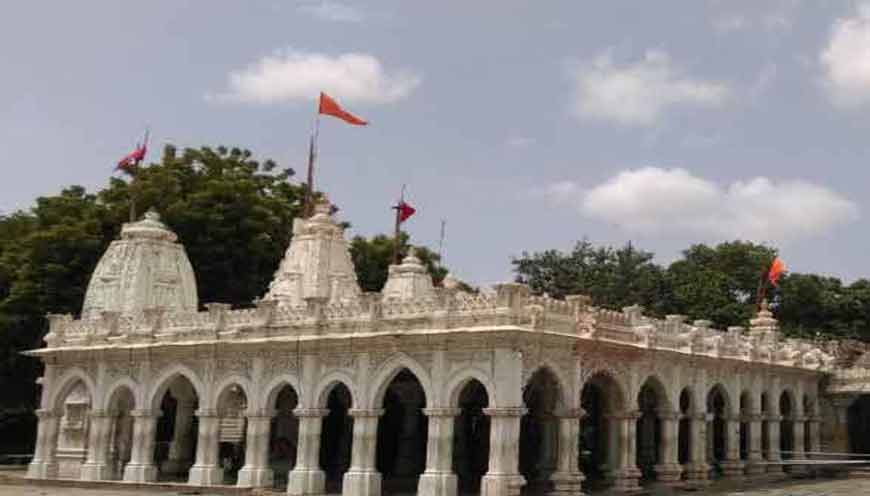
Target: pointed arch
x=547, y=368
x=390, y=369
x=663, y=396
x=616, y=399
x=269, y=394
x=228, y=381
x=67, y=382
x=164, y=380
x=329, y=382
x=460, y=379
x=117, y=387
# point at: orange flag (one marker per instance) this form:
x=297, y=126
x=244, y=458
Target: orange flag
x=329, y=106
x=776, y=270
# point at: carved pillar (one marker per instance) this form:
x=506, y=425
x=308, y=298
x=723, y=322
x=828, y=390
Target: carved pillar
x=141, y=467
x=307, y=477
x=178, y=460
x=697, y=470
x=206, y=471
x=44, y=464
x=362, y=478
x=439, y=479
x=798, y=448
x=774, y=423
x=256, y=472
x=755, y=460
x=627, y=475
x=503, y=477
x=815, y=445
x=732, y=466
x=669, y=469
x=97, y=467
x=568, y=479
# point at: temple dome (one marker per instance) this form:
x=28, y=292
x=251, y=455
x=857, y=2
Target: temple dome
x=317, y=264
x=409, y=281
x=146, y=268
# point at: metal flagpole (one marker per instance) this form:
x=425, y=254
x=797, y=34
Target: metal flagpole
x=312, y=154
x=398, y=208
x=441, y=241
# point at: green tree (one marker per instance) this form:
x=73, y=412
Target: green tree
x=372, y=258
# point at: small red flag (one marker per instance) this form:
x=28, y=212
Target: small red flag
x=405, y=211
x=329, y=106
x=776, y=270
x=132, y=159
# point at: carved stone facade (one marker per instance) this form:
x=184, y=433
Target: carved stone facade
x=431, y=389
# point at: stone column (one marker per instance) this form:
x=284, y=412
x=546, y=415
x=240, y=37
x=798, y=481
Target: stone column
x=362, y=478
x=798, y=449
x=568, y=479
x=627, y=475
x=503, y=477
x=307, y=477
x=731, y=465
x=141, y=466
x=697, y=470
x=774, y=423
x=206, y=471
x=755, y=460
x=815, y=445
x=178, y=460
x=669, y=470
x=44, y=464
x=97, y=467
x=257, y=472
x=438, y=479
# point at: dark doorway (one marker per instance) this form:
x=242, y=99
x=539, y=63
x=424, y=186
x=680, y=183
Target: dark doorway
x=402, y=434
x=858, y=417
x=471, y=438
x=336, y=438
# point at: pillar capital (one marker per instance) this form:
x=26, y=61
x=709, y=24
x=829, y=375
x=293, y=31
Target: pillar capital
x=207, y=413
x=98, y=414
x=516, y=411
x=310, y=412
x=365, y=413
x=569, y=413
x=46, y=414
x=260, y=414
x=442, y=412
x=631, y=415
x=668, y=415
x=773, y=418
x=145, y=413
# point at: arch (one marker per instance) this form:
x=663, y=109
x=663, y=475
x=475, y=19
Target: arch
x=615, y=400
x=719, y=404
x=787, y=404
x=457, y=382
x=471, y=436
x=601, y=396
x=160, y=386
x=390, y=369
x=658, y=387
x=747, y=407
x=545, y=372
x=226, y=383
x=330, y=381
x=686, y=408
x=67, y=382
x=562, y=380
x=720, y=389
x=124, y=383
x=858, y=424
x=272, y=389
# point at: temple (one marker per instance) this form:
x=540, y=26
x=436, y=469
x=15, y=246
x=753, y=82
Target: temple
x=322, y=388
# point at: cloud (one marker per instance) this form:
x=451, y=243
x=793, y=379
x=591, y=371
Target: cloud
x=293, y=75
x=655, y=200
x=846, y=60
x=638, y=94
x=332, y=11
x=520, y=141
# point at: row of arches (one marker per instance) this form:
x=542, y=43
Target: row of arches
x=616, y=440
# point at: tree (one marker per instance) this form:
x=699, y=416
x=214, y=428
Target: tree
x=372, y=258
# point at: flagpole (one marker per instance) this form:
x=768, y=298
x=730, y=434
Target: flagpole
x=308, y=210
x=396, y=243
x=441, y=241
x=762, y=287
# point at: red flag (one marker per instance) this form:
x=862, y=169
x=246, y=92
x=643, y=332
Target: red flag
x=776, y=270
x=329, y=106
x=405, y=211
x=132, y=159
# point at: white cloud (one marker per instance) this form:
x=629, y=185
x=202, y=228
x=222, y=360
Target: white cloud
x=332, y=11
x=656, y=200
x=293, y=75
x=846, y=59
x=639, y=93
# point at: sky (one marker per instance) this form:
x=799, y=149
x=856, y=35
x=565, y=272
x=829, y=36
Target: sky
x=526, y=125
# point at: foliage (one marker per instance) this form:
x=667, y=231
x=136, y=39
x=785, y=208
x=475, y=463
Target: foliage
x=372, y=258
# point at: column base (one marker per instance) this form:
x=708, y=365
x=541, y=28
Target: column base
x=306, y=481
x=754, y=467
x=361, y=483
x=626, y=480
x=255, y=477
x=774, y=469
x=135, y=472
x=668, y=473
x=206, y=475
x=175, y=466
x=502, y=484
x=96, y=471
x=697, y=474
x=438, y=484
x=42, y=470
x=732, y=468
x=570, y=484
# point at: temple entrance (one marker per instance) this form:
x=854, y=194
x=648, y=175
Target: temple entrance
x=858, y=418
x=539, y=432
x=336, y=438
x=232, y=404
x=121, y=405
x=786, y=425
x=599, y=438
x=717, y=446
x=471, y=438
x=745, y=411
x=650, y=399
x=402, y=434
x=177, y=430
x=283, y=436
x=684, y=432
